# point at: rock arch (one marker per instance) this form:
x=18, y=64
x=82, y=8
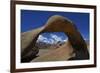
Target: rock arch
x=55, y=23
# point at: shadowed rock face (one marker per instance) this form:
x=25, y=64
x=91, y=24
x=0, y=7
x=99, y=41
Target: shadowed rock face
x=55, y=23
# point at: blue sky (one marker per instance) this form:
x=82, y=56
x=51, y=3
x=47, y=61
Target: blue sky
x=31, y=19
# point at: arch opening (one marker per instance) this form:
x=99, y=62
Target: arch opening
x=48, y=41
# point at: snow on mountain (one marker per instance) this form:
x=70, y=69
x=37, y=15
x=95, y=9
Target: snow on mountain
x=44, y=39
x=56, y=38
x=53, y=39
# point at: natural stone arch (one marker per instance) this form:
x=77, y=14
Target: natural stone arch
x=57, y=23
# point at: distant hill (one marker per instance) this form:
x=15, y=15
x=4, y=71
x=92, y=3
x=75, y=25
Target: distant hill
x=44, y=45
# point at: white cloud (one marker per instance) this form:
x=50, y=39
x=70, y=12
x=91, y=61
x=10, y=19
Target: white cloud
x=56, y=38
x=45, y=39
x=53, y=38
x=41, y=37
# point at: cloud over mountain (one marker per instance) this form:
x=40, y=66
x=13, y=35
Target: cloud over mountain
x=51, y=39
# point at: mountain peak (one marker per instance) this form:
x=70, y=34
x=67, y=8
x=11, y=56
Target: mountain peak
x=51, y=38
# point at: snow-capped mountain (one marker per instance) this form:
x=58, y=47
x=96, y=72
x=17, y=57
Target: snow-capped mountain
x=52, y=39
